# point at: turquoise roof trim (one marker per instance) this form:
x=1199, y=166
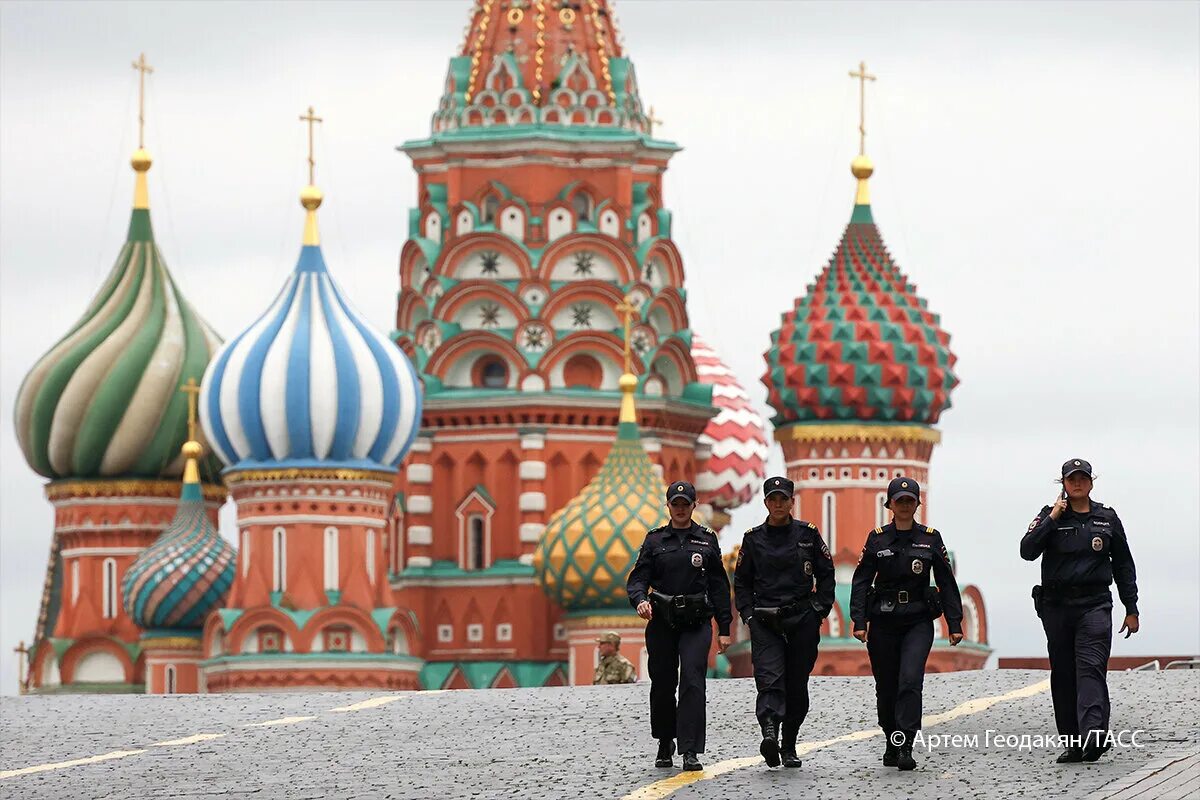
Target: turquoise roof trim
x=449, y=569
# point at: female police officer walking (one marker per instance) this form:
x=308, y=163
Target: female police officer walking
x=1083, y=548
x=678, y=584
x=900, y=607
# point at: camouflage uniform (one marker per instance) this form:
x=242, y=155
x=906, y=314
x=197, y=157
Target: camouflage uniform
x=614, y=669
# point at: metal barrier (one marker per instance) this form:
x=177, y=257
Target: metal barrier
x=1191, y=663
x=1149, y=666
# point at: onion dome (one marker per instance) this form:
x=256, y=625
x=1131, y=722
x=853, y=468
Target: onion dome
x=102, y=403
x=311, y=383
x=736, y=436
x=188, y=570
x=591, y=543
x=860, y=345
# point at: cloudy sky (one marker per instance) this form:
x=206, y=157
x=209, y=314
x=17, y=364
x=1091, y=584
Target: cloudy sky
x=1036, y=174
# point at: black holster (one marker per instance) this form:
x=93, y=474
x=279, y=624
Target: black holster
x=682, y=611
x=1037, y=600
x=933, y=600
x=775, y=618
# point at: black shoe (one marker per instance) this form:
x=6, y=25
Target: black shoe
x=1093, y=752
x=666, y=749
x=905, y=760
x=1072, y=755
x=691, y=763
x=891, y=754
x=770, y=743
x=787, y=747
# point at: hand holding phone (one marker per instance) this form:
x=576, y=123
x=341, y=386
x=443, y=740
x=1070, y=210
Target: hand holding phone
x=1060, y=505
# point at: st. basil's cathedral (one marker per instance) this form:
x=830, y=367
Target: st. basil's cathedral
x=457, y=504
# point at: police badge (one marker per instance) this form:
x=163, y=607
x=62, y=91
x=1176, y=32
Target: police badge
x=1097, y=543
x=697, y=559
x=917, y=566
x=808, y=568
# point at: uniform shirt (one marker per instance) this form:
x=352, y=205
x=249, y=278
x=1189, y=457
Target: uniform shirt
x=903, y=560
x=777, y=565
x=1080, y=549
x=614, y=669
x=682, y=561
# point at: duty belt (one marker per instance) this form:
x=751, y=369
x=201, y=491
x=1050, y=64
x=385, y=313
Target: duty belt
x=1059, y=591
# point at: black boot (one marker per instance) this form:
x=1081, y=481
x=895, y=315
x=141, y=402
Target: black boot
x=770, y=743
x=1072, y=755
x=666, y=749
x=691, y=763
x=891, y=753
x=787, y=747
x=905, y=760
x=1093, y=751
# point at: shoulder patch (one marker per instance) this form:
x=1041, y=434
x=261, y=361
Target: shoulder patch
x=1034, y=524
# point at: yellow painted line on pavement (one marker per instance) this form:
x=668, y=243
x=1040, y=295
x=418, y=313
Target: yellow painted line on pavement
x=199, y=737
x=12, y=773
x=374, y=702
x=280, y=721
x=668, y=786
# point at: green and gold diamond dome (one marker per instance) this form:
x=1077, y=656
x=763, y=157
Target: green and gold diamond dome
x=590, y=544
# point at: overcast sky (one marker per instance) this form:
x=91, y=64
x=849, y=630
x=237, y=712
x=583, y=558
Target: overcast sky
x=1036, y=175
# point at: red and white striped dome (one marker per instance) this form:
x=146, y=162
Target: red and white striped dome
x=737, y=436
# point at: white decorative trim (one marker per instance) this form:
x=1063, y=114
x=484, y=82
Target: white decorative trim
x=75, y=552
x=533, y=441
x=123, y=526
x=819, y=485
x=419, y=473
x=421, y=444
x=526, y=559
x=419, y=561
x=272, y=665
x=420, y=504
x=477, y=437
x=532, y=501
x=532, y=470
x=320, y=519
x=530, y=532
x=420, y=534
x=652, y=445
x=466, y=583
x=171, y=502
x=879, y=462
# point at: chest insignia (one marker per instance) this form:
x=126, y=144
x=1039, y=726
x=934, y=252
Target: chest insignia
x=884, y=553
x=697, y=559
x=808, y=568
x=1097, y=543
x=917, y=566
x=921, y=544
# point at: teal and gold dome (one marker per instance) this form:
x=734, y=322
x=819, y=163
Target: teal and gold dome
x=188, y=570
x=102, y=403
x=591, y=543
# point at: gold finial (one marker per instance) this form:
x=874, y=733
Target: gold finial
x=861, y=167
x=141, y=158
x=311, y=196
x=627, y=381
x=191, y=448
x=651, y=121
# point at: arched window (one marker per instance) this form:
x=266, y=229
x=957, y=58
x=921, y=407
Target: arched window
x=74, y=581
x=371, y=556
x=279, y=561
x=581, y=204
x=491, y=373
x=109, y=604
x=880, y=511
x=829, y=520
x=476, y=544
x=245, y=553
x=582, y=371
x=491, y=205
x=331, y=559
x=169, y=676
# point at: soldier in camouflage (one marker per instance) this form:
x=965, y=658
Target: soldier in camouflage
x=613, y=667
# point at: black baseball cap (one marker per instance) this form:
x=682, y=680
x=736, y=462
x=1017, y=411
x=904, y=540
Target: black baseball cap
x=781, y=485
x=1073, y=465
x=903, y=487
x=681, y=489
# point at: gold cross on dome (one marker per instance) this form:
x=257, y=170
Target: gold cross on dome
x=143, y=69
x=651, y=121
x=626, y=309
x=863, y=76
x=311, y=119
x=192, y=390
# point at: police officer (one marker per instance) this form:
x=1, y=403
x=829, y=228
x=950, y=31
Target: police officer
x=773, y=589
x=678, y=584
x=900, y=608
x=1083, y=547
x=612, y=667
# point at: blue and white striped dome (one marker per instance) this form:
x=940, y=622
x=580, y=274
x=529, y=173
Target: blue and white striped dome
x=310, y=384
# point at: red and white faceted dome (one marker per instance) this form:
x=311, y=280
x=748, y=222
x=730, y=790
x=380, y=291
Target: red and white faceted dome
x=736, y=435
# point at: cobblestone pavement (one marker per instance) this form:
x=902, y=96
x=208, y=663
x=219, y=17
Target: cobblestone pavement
x=560, y=743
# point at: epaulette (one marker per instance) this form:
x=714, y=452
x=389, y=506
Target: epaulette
x=708, y=530
x=809, y=524
x=877, y=530
x=930, y=531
